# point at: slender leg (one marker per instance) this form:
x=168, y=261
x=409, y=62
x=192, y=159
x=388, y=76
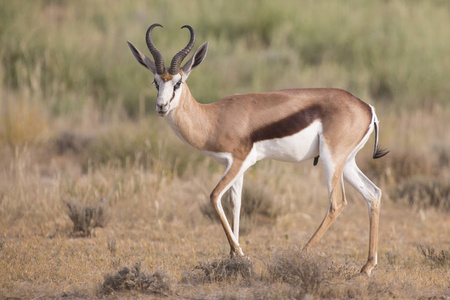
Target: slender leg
x=337, y=204
x=233, y=174
x=333, y=174
x=372, y=194
x=235, y=200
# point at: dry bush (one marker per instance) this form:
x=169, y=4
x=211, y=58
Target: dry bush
x=138, y=280
x=438, y=258
x=298, y=269
x=225, y=269
x=70, y=142
x=423, y=192
x=86, y=217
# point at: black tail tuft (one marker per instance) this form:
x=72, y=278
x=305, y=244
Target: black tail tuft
x=379, y=152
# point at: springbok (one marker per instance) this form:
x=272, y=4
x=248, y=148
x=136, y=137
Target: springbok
x=289, y=125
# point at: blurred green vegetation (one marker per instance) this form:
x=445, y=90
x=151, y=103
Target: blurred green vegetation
x=64, y=54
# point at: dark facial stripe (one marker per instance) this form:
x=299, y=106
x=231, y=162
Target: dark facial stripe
x=288, y=126
x=166, y=76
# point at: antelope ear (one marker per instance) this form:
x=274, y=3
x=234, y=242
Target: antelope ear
x=195, y=60
x=142, y=59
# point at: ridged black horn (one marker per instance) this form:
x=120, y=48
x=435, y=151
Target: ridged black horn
x=178, y=58
x=157, y=56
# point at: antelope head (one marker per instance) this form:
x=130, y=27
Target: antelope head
x=169, y=81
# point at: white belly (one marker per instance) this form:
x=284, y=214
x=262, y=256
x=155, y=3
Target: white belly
x=294, y=148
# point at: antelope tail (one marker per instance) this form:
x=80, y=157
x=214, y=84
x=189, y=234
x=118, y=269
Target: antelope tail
x=377, y=151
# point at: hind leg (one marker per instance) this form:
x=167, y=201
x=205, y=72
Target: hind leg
x=336, y=194
x=372, y=194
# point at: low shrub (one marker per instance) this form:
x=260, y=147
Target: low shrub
x=438, y=258
x=235, y=268
x=136, y=279
x=297, y=269
x=70, y=142
x=85, y=217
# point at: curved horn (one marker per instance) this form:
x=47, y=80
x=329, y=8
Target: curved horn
x=157, y=56
x=178, y=58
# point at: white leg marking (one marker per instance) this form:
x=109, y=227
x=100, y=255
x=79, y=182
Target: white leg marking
x=327, y=162
x=356, y=177
x=248, y=162
x=235, y=200
x=361, y=183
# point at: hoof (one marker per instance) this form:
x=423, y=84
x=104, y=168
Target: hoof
x=367, y=269
x=306, y=248
x=237, y=254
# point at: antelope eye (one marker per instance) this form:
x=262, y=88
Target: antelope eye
x=156, y=84
x=177, y=86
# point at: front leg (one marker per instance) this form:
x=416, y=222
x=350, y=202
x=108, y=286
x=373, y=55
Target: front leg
x=232, y=176
x=235, y=201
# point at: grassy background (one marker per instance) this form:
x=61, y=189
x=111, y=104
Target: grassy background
x=77, y=125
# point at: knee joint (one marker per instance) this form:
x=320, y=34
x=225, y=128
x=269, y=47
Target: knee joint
x=337, y=207
x=214, y=198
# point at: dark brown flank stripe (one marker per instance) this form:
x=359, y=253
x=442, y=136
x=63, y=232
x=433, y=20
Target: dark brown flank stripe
x=290, y=125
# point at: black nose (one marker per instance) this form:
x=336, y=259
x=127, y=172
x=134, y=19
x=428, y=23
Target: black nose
x=162, y=106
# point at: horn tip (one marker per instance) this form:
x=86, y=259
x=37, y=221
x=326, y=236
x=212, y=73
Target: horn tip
x=153, y=26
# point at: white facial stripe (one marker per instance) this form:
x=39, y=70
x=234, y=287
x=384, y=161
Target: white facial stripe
x=168, y=96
